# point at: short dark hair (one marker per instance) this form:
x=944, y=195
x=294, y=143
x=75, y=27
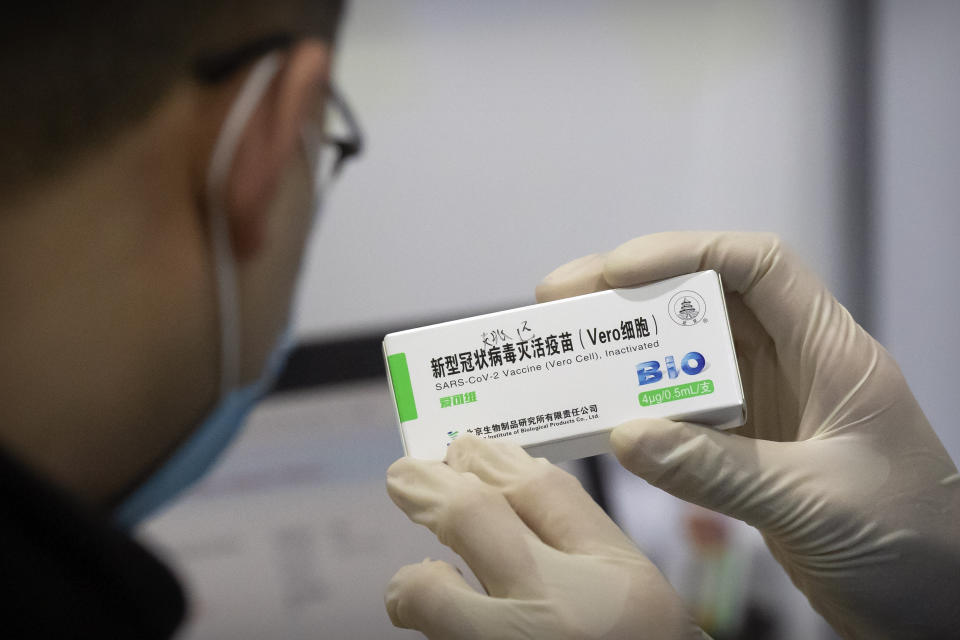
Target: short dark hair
x=75, y=73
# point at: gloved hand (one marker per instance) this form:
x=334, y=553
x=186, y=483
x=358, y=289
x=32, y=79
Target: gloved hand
x=551, y=561
x=837, y=466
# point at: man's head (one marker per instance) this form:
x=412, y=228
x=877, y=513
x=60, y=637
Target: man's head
x=109, y=117
x=76, y=74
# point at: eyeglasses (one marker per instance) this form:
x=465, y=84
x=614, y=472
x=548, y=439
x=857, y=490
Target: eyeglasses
x=331, y=138
x=332, y=135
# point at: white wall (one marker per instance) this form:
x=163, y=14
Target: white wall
x=508, y=137
x=918, y=200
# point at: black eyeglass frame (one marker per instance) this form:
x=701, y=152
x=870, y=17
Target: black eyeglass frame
x=214, y=68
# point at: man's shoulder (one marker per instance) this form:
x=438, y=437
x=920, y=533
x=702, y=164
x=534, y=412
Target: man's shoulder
x=68, y=572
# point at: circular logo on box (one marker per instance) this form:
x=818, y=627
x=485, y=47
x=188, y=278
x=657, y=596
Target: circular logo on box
x=687, y=308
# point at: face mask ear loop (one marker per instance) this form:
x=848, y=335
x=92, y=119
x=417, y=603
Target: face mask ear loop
x=221, y=161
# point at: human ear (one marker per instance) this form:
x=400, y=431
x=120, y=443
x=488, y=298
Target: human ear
x=269, y=142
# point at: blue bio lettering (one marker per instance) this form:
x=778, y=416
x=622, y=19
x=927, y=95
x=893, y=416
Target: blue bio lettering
x=691, y=364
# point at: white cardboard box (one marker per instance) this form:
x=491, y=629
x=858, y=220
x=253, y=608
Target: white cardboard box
x=556, y=377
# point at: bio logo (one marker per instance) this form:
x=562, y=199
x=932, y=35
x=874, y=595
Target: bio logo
x=691, y=364
x=687, y=308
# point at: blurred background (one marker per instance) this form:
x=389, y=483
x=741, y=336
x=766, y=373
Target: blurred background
x=508, y=137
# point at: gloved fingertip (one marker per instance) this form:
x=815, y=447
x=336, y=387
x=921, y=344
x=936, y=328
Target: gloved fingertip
x=416, y=592
x=587, y=263
x=462, y=450
x=397, y=467
x=653, y=257
x=583, y=275
x=404, y=588
x=462, y=443
x=394, y=594
x=625, y=265
x=399, y=473
x=625, y=436
x=639, y=443
x=405, y=473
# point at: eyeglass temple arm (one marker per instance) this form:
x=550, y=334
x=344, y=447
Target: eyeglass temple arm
x=352, y=144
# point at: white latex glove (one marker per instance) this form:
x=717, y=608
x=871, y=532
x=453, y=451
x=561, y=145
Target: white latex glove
x=553, y=565
x=837, y=466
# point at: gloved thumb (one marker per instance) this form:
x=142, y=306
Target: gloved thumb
x=741, y=477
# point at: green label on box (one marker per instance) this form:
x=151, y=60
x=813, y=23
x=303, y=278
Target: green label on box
x=677, y=392
x=402, y=388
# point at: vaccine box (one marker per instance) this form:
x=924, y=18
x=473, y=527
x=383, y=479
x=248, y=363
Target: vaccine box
x=556, y=377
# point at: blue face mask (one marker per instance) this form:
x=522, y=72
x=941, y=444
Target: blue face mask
x=194, y=457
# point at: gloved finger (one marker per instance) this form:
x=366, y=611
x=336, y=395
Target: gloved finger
x=433, y=598
x=773, y=283
x=745, y=478
x=766, y=390
x=551, y=501
x=583, y=275
x=470, y=517
x=811, y=330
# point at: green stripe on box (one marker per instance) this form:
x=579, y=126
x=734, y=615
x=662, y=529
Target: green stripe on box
x=402, y=389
